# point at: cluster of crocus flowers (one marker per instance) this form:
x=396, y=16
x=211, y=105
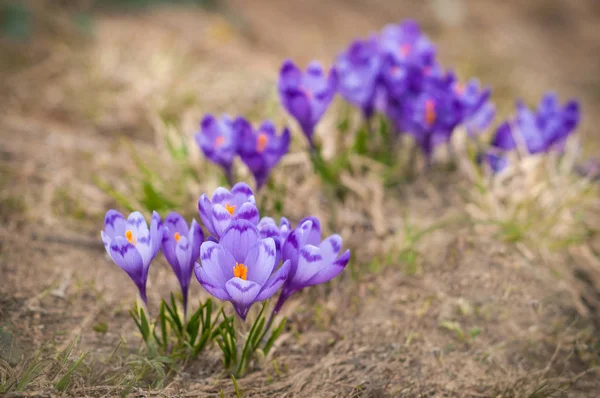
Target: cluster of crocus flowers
x=394, y=72
x=222, y=139
x=245, y=260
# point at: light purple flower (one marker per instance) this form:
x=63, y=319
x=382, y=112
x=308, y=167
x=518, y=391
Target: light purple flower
x=227, y=206
x=306, y=96
x=241, y=268
x=181, y=247
x=219, y=141
x=131, y=245
x=358, y=72
x=408, y=45
x=312, y=261
x=261, y=149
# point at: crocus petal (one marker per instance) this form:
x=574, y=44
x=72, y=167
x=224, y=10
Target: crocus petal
x=242, y=292
x=196, y=237
x=168, y=249
x=241, y=193
x=331, y=270
x=205, y=210
x=183, y=250
x=114, y=224
x=106, y=240
x=260, y=261
x=221, y=218
x=503, y=138
x=239, y=238
x=275, y=282
x=330, y=248
x=176, y=224
x=222, y=196
x=126, y=256
x=210, y=285
x=312, y=234
x=310, y=262
x=156, y=233
x=217, y=263
x=248, y=212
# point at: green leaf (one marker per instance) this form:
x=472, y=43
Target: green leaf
x=65, y=380
x=274, y=336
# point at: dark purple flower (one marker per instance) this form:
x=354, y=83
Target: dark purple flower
x=261, y=149
x=131, y=245
x=181, y=247
x=312, y=261
x=219, y=141
x=358, y=71
x=241, y=268
x=306, y=96
x=430, y=115
x=539, y=131
x=226, y=207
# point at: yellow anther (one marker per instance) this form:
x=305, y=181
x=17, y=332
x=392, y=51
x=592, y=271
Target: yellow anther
x=177, y=236
x=230, y=209
x=130, y=238
x=261, y=142
x=220, y=140
x=430, y=114
x=240, y=271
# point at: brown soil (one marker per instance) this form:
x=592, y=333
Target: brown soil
x=473, y=316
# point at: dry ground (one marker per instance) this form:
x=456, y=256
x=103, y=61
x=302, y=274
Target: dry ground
x=474, y=315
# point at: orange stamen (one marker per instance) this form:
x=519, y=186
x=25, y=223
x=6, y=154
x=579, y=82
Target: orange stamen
x=405, y=49
x=240, y=271
x=261, y=142
x=130, y=238
x=220, y=140
x=230, y=209
x=177, y=236
x=307, y=92
x=430, y=112
x=460, y=88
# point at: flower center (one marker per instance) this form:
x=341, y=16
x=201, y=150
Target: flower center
x=230, y=209
x=430, y=115
x=405, y=49
x=220, y=140
x=240, y=271
x=130, y=238
x=460, y=88
x=396, y=71
x=261, y=142
x=307, y=92
x=177, y=236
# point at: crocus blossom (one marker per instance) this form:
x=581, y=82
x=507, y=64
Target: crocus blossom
x=268, y=228
x=261, y=149
x=408, y=45
x=539, y=131
x=312, y=261
x=227, y=206
x=477, y=111
x=358, y=71
x=241, y=268
x=181, y=247
x=306, y=95
x=131, y=245
x=219, y=141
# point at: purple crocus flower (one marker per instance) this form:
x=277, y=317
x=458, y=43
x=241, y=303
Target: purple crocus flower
x=219, y=141
x=429, y=115
x=542, y=130
x=241, y=268
x=495, y=161
x=312, y=261
x=306, y=96
x=477, y=111
x=408, y=45
x=181, y=247
x=227, y=206
x=358, y=71
x=131, y=245
x=261, y=149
